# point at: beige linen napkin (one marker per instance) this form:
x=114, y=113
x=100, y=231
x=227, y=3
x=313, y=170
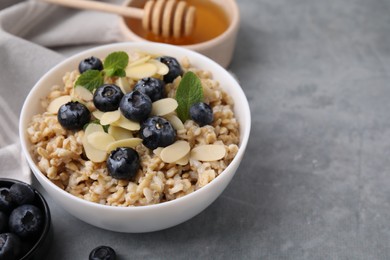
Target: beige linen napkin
x=35, y=36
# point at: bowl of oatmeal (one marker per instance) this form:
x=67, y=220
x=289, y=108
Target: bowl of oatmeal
x=135, y=137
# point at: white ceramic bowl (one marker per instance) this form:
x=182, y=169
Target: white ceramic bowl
x=142, y=218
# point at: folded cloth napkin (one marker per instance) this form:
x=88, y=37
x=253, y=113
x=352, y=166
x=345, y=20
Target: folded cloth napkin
x=34, y=36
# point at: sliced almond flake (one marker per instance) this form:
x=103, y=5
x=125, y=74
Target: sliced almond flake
x=85, y=103
x=92, y=128
x=110, y=117
x=141, y=53
x=130, y=142
x=141, y=71
x=175, y=151
x=82, y=93
x=97, y=114
x=127, y=124
x=119, y=133
x=184, y=160
x=162, y=69
x=124, y=84
x=93, y=154
x=208, y=152
x=56, y=103
x=158, y=150
x=175, y=121
x=139, y=61
x=100, y=140
x=164, y=106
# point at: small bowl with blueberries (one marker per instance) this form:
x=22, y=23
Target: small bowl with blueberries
x=24, y=221
x=135, y=137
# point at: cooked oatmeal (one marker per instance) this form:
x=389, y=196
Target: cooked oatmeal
x=60, y=155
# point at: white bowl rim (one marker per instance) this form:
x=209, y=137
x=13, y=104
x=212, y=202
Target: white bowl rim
x=244, y=136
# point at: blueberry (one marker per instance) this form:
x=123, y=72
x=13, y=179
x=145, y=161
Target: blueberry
x=157, y=132
x=135, y=106
x=21, y=193
x=201, y=113
x=102, y=253
x=175, y=69
x=73, y=115
x=26, y=221
x=123, y=163
x=152, y=87
x=6, y=203
x=107, y=97
x=10, y=246
x=3, y=222
x=91, y=63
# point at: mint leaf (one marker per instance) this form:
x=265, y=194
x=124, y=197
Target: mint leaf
x=120, y=73
x=115, y=64
x=189, y=92
x=117, y=72
x=90, y=79
x=109, y=72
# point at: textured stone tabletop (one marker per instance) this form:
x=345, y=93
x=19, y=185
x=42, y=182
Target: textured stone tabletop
x=315, y=181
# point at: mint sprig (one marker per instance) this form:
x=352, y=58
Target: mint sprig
x=188, y=92
x=90, y=79
x=114, y=66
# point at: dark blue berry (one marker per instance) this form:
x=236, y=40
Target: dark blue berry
x=6, y=203
x=201, y=113
x=26, y=221
x=3, y=222
x=135, y=106
x=157, y=132
x=10, y=246
x=102, y=253
x=73, y=115
x=123, y=163
x=21, y=193
x=91, y=63
x=152, y=87
x=107, y=97
x=174, y=66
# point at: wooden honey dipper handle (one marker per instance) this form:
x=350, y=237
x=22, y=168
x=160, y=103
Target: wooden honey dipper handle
x=169, y=18
x=165, y=18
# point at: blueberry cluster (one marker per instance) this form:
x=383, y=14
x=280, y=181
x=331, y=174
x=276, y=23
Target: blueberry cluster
x=21, y=221
x=156, y=131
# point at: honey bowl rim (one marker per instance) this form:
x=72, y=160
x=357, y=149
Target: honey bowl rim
x=233, y=17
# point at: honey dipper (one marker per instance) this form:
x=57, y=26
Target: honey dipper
x=165, y=18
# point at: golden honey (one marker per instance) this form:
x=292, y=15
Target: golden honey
x=210, y=22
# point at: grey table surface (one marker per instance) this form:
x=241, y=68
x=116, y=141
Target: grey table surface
x=315, y=181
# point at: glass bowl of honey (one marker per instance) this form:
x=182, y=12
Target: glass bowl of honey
x=214, y=33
